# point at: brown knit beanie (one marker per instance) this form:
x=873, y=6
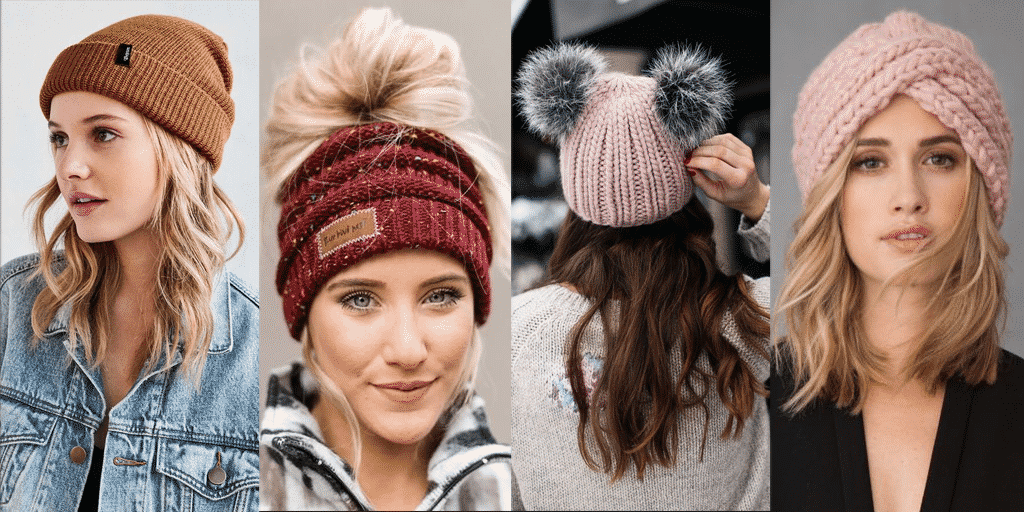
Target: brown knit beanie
x=172, y=71
x=372, y=189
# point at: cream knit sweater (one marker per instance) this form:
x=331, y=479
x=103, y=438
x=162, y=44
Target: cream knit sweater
x=734, y=474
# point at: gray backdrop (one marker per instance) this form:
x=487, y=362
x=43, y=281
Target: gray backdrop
x=483, y=31
x=803, y=32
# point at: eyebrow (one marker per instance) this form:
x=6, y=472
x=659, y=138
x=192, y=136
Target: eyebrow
x=355, y=283
x=373, y=283
x=90, y=120
x=931, y=141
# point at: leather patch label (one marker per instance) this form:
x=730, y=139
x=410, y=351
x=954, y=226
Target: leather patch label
x=356, y=226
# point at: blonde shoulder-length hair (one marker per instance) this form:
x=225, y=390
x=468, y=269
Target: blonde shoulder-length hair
x=383, y=70
x=825, y=347
x=193, y=220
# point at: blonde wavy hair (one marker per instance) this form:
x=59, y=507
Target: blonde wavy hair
x=825, y=347
x=383, y=70
x=193, y=221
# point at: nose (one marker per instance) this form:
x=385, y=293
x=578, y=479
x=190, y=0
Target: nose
x=73, y=162
x=407, y=345
x=909, y=195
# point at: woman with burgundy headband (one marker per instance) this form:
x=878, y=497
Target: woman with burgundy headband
x=128, y=356
x=892, y=391
x=392, y=214
x=644, y=362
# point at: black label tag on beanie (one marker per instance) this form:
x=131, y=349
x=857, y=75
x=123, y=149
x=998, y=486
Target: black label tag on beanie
x=124, y=55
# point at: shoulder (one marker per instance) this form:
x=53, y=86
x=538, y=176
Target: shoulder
x=17, y=271
x=546, y=313
x=17, y=266
x=1010, y=378
x=760, y=290
x=241, y=292
x=545, y=303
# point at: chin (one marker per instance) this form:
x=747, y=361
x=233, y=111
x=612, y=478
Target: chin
x=406, y=428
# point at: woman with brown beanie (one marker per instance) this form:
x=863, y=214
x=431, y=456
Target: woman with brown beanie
x=892, y=392
x=392, y=214
x=128, y=356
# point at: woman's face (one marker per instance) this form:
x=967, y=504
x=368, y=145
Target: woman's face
x=905, y=189
x=392, y=332
x=106, y=165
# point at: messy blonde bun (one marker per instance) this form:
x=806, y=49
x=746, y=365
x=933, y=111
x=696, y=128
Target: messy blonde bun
x=382, y=69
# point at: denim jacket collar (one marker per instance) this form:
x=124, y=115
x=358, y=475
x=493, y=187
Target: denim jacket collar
x=220, y=341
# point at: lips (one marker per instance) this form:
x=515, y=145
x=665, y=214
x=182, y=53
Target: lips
x=82, y=204
x=405, y=391
x=908, y=239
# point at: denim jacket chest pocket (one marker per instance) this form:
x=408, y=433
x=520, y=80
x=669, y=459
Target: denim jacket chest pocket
x=170, y=445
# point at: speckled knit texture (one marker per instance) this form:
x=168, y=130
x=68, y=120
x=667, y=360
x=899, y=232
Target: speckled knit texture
x=372, y=189
x=620, y=167
x=905, y=54
x=551, y=473
x=176, y=73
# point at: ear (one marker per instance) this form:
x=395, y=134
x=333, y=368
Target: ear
x=692, y=96
x=553, y=87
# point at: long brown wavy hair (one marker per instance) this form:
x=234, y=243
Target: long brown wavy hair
x=662, y=299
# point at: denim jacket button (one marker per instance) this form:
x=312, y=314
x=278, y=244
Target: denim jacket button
x=78, y=455
x=217, y=475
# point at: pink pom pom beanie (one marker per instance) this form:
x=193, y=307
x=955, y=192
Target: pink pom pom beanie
x=905, y=54
x=624, y=138
x=620, y=167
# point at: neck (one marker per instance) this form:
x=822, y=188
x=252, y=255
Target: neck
x=137, y=255
x=393, y=476
x=892, y=319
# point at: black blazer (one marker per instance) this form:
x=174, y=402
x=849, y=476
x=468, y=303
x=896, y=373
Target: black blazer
x=820, y=460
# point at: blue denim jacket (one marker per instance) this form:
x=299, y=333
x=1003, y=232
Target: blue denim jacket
x=164, y=439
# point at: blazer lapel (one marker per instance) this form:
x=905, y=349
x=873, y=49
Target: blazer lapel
x=949, y=445
x=853, y=461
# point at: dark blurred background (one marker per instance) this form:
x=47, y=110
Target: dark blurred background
x=628, y=33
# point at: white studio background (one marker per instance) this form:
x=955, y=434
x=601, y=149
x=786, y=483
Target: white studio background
x=483, y=31
x=32, y=34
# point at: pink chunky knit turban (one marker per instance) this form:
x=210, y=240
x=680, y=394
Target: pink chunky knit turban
x=624, y=138
x=905, y=54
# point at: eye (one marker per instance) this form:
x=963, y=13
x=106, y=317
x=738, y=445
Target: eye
x=104, y=135
x=443, y=297
x=940, y=160
x=867, y=163
x=58, y=140
x=358, y=301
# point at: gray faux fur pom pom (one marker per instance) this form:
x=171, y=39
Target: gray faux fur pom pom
x=553, y=84
x=692, y=96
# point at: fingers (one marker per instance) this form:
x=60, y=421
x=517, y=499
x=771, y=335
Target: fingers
x=725, y=156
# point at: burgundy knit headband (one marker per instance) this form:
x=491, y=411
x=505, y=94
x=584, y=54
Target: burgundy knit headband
x=377, y=188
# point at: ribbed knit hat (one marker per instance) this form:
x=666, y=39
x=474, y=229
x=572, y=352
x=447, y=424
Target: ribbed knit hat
x=172, y=71
x=624, y=138
x=905, y=54
x=377, y=188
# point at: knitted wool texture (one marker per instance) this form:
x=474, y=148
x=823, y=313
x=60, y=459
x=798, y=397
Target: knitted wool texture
x=177, y=75
x=905, y=54
x=372, y=189
x=620, y=166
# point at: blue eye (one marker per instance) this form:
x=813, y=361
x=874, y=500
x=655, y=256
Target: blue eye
x=444, y=297
x=359, y=301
